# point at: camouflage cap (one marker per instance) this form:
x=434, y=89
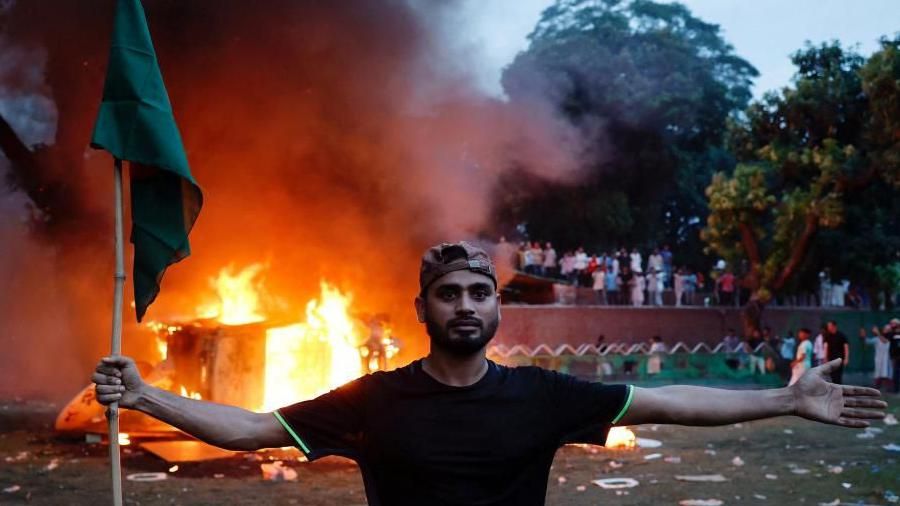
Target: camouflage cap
x=448, y=257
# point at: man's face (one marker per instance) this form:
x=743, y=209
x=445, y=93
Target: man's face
x=461, y=312
x=803, y=336
x=831, y=327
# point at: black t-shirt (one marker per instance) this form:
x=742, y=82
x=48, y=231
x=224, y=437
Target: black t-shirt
x=420, y=442
x=836, y=344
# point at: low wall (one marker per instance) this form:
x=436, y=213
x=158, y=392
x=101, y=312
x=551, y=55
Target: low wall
x=557, y=324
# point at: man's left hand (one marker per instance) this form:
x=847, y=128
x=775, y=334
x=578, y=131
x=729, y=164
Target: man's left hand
x=849, y=406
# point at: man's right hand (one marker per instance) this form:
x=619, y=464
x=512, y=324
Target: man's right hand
x=117, y=380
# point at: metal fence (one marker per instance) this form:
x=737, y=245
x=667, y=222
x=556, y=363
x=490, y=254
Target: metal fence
x=634, y=361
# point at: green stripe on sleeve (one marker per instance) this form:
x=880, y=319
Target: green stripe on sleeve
x=293, y=434
x=628, y=399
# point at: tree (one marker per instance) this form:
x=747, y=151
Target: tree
x=811, y=157
x=651, y=88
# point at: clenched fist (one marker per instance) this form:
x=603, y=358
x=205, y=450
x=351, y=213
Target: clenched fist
x=117, y=379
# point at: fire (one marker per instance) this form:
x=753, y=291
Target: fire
x=124, y=439
x=309, y=358
x=621, y=438
x=192, y=395
x=238, y=296
x=162, y=331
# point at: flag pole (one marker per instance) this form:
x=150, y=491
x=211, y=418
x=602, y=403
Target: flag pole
x=119, y=280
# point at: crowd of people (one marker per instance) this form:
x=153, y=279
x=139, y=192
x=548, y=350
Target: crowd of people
x=622, y=277
x=799, y=353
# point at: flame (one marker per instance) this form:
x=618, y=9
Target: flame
x=124, y=439
x=307, y=359
x=162, y=331
x=192, y=395
x=238, y=296
x=621, y=438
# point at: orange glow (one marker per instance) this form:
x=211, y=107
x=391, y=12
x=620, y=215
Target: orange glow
x=306, y=359
x=620, y=438
x=238, y=296
x=162, y=331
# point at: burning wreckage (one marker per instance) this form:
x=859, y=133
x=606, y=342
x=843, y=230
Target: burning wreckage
x=233, y=354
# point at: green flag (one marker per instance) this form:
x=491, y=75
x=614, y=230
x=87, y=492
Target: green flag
x=135, y=123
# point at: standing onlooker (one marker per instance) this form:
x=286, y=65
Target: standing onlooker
x=625, y=276
x=725, y=288
x=567, y=265
x=836, y=346
x=549, y=265
x=894, y=337
x=789, y=347
x=657, y=348
x=637, y=286
x=655, y=262
x=636, y=261
x=580, y=266
x=757, y=358
x=731, y=340
x=883, y=371
x=803, y=360
x=599, y=276
x=537, y=258
x=679, y=286
x=612, y=286
x=667, y=264
x=819, y=347
x=654, y=287
x=690, y=287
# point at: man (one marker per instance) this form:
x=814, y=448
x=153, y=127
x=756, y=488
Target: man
x=725, y=288
x=454, y=428
x=836, y=347
x=894, y=351
x=803, y=360
x=549, y=267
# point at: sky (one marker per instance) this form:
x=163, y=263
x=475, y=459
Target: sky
x=764, y=32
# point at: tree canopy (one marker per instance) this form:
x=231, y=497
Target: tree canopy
x=818, y=174
x=651, y=88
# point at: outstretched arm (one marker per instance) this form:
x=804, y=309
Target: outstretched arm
x=812, y=397
x=117, y=379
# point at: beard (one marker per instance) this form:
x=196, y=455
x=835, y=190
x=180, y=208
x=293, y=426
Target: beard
x=461, y=345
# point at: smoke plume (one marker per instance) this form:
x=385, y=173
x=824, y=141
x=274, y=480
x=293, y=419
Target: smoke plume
x=333, y=140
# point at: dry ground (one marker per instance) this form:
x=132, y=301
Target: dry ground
x=772, y=447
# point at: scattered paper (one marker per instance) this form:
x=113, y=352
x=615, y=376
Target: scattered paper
x=760, y=497
x=771, y=476
x=846, y=485
x=653, y=456
x=800, y=470
x=835, y=469
x=832, y=503
x=218, y=476
x=615, y=483
x=711, y=478
x=709, y=452
x=561, y=480
x=643, y=442
x=54, y=463
x=615, y=465
x=173, y=468
x=12, y=489
x=890, y=419
x=146, y=477
x=700, y=502
x=737, y=461
x=891, y=447
x=673, y=459
x=788, y=431
x=581, y=488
